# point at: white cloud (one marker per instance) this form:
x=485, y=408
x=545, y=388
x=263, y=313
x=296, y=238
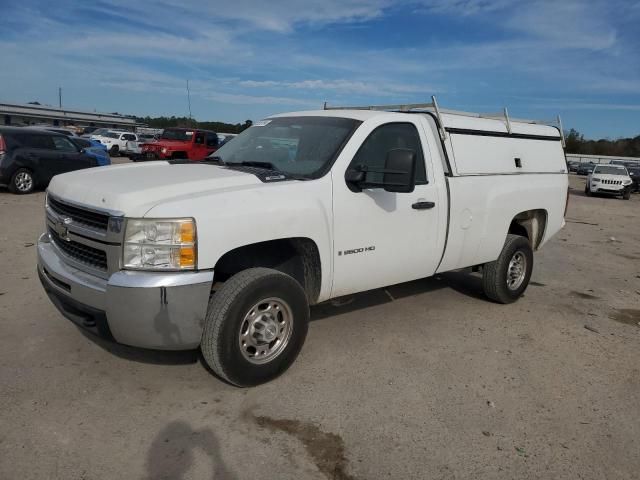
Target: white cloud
x=380, y=88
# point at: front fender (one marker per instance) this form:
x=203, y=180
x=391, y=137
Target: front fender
x=233, y=218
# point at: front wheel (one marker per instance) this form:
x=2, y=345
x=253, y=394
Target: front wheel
x=255, y=327
x=22, y=182
x=627, y=194
x=114, y=151
x=506, y=279
x=587, y=191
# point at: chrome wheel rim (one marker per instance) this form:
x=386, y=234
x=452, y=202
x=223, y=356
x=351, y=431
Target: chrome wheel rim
x=24, y=182
x=516, y=271
x=265, y=330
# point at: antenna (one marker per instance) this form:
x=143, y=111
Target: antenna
x=189, y=101
x=60, y=97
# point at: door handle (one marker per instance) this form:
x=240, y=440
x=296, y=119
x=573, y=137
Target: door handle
x=423, y=205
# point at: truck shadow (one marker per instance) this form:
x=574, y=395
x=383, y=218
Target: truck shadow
x=463, y=282
x=171, y=454
x=466, y=283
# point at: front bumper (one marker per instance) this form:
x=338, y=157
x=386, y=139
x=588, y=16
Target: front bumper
x=142, y=309
x=608, y=188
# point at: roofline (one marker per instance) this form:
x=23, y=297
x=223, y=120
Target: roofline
x=64, y=110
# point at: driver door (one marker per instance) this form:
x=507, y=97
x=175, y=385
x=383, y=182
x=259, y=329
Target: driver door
x=382, y=238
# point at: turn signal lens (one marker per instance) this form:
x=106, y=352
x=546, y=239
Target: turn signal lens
x=187, y=232
x=187, y=257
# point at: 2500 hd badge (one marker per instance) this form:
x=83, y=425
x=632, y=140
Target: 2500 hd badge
x=356, y=250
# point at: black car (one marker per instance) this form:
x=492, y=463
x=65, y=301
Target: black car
x=585, y=168
x=634, y=173
x=29, y=158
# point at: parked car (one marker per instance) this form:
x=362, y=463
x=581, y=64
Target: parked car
x=573, y=166
x=97, y=133
x=634, y=174
x=29, y=158
x=182, y=143
x=585, y=168
x=116, y=141
x=93, y=148
x=133, y=148
x=228, y=254
x=609, y=179
x=88, y=130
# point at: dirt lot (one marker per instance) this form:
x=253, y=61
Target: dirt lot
x=426, y=380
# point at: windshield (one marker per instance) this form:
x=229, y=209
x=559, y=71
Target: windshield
x=295, y=145
x=606, y=170
x=183, y=135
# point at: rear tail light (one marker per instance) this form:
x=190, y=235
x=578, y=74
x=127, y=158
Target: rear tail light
x=3, y=146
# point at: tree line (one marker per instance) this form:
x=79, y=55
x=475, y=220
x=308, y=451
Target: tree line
x=186, y=122
x=622, y=147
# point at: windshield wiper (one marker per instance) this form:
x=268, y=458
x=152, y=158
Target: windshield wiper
x=251, y=163
x=266, y=166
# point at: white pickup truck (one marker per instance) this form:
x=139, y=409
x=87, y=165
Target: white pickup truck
x=116, y=141
x=228, y=254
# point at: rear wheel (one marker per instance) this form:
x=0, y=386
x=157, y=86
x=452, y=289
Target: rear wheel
x=255, y=327
x=22, y=182
x=506, y=279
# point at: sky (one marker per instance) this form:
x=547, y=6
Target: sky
x=248, y=59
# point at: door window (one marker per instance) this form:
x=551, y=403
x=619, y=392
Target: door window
x=212, y=140
x=391, y=136
x=63, y=144
x=128, y=136
x=36, y=141
x=199, y=138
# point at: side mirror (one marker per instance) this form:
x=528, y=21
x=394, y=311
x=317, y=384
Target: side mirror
x=400, y=171
x=354, y=177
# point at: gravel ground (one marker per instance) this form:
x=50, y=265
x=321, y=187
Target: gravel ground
x=425, y=380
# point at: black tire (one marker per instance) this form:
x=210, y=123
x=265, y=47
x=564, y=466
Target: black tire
x=114, y=151
x=627, y=194
x=587, y=191
x=495, y=274
x=22, y=182
x=226, y=314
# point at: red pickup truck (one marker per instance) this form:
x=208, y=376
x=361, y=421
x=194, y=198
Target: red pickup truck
x=187, y=143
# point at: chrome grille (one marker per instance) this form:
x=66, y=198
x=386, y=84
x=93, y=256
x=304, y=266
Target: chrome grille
x=81, y=216
x=79, y=252
x=612, y=182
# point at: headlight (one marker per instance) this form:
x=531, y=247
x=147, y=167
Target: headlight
x=163, y=150
x=626, y=182
x=160, y=244
x=595, y=179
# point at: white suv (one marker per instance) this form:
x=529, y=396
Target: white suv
x=116, y=141
x=609, y=179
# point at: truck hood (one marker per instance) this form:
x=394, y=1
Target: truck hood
x=133, y=189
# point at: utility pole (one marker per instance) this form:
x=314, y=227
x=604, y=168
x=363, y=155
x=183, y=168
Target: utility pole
x=189, y=102
x=60, y=97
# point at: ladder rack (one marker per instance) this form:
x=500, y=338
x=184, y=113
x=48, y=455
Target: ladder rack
x=433, y=107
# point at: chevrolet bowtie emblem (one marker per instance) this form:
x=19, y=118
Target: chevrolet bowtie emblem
x=62, y=229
